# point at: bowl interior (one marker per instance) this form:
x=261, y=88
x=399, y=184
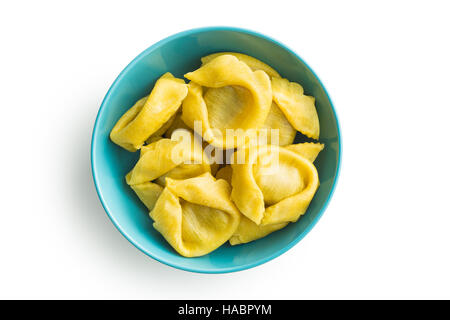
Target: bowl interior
x=180, y=54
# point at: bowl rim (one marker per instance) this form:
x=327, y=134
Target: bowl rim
x=233, y=268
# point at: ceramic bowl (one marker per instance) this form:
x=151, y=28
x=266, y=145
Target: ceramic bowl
x=180, y=54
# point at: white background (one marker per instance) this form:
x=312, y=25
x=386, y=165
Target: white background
x=386, y=233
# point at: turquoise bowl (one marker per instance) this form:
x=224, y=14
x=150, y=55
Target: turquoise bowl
x=180, y=54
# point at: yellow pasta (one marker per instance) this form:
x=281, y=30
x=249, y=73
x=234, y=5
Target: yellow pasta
x=227, y=70
x=177, y=123
x=253, y=63
x=274, y=185
x=249, y=230
x=196, y=215
x=148, y=193
x=308, y=150
x=169, y=158
x=197, y=203
x=276, y=120
x=224, y=102
x=161, y=131
x=150, y=113
x=299, y=109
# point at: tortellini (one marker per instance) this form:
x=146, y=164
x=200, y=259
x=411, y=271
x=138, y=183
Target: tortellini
x=249, y=230
x=197, y=202
x=171, y=158
x=166, y=158
x=177, y=123
x=227, y=70
x=162, y=131
x=253, y=63
x=276, y=120
x=195, y=215
x=298, y=108
x=225, y=102
x=150, y=113
x=274, y=184
x=148, y=192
